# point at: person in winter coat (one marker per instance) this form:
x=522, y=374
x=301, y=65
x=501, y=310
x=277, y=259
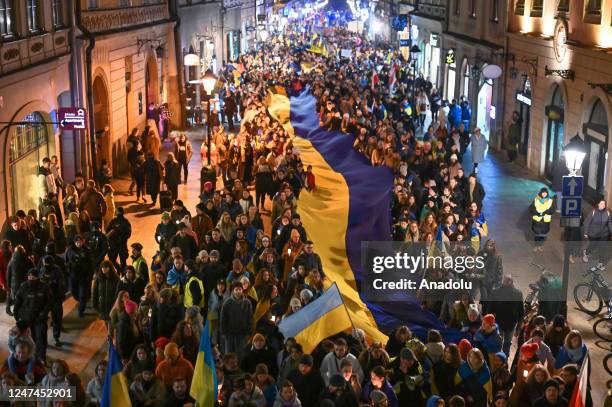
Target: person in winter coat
x=164, y=232
x=124, y=321
x=573, y=351
x=146, y=390
x=96, y=384
x=54, y=278
x=97, y=243
x=339, y=392
x=479, y=148
x=173, y=366
x=109, y=198
x=24, y=364
x=32, y=305
x=139, y=361
x=287, y=397
x=131, y=283
x=307, y=381
x=236, y=322
x=93, y=202
x=153, y=175
x=454, y=115
x=247, y=394
x=153, y=142
x=172, y=175
x=598, y=229
x=258, y=353
x=105, y=290
x=508, y=310
x=118, y=232
x=79, y=263
x=331, y=362
x=487, y=338
x=55, y=378
x=17, y=271
x=166, y=314
x=472, y=377
x=378, y=381
x=183, y=152
x=541, y=209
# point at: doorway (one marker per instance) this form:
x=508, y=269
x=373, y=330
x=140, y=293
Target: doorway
x=101, y=121
x=151, y=82
x=483, y=118
x=555, y=132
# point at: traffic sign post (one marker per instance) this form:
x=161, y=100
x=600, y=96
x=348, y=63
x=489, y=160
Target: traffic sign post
x=572, y=186
x=72, y=118
x=571, y=200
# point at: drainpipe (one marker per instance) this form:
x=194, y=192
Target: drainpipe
x=178, y=51
x=88, y=85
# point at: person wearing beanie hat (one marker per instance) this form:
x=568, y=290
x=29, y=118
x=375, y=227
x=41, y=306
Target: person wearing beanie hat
x=201, y=223
x=307, y=381
x=145, y=388
x=488, y=338
x=541, y=210
x=543, y=353
x=179, y=211
x=501, y=378
x=552, y=396
x=186, y=241
x=259, y=352
x=173, y=365
x=464, y=348
x=407, y=378
x=555, y=334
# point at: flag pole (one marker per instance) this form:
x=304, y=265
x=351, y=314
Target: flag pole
x=361, y=342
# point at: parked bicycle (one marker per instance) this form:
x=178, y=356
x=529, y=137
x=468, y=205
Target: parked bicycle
x=603, y=326
x=591, y=295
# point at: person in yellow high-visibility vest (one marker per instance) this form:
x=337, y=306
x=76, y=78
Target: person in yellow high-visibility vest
x=194, y=288
x=541, y=210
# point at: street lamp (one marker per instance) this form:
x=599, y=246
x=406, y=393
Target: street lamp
x=209, y=80
x=191, y=58
x=574, y=153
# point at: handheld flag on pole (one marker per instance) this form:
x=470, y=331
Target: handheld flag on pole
x=115, y=392
x=204, y=383
x=581, y=394
x=322, y=318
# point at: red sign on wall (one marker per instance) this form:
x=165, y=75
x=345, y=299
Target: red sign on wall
x=72, y=118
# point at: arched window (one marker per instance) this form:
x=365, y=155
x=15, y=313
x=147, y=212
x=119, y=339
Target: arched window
x=598, y=115
x=27, y=138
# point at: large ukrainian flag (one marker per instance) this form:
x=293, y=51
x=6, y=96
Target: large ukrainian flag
x=351, y=204
x=115, y=392
x=204, y=382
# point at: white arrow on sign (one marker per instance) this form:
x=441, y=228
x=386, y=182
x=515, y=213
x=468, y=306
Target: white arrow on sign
x=572, y=186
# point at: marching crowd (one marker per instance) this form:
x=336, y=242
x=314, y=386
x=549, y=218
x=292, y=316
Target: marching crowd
x=215, y=263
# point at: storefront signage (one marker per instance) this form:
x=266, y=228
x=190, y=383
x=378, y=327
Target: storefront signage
x=521, y=97
x=433, y=40
x=404, y=42
x=450, y=57
x=72, y=118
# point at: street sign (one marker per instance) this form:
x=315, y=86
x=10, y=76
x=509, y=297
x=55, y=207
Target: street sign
x=72, y=118
x=572, y=186
x=571, y=206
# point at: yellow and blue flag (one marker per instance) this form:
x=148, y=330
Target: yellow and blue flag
x=352, y=200
x=322, y=318
x=115, y=392
x=204, y=382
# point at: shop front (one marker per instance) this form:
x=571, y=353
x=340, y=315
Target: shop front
x=523, y=98
x=555, y=115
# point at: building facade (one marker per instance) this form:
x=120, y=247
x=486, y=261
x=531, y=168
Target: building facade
x=559, y=80
x=475, y=39
x=35, y=77
x=127, y=62
x=428, y=22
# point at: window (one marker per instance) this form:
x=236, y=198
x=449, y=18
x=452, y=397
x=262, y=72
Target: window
x=519, y=7
x=592, y=12
x=7, y=18
x=563, y=6
x=457, y=7
x=495, y=11
x=466, y=81
x=537, y=8
x=473, y=8
x=92, y=4
x=58, y=13
x=34, y=20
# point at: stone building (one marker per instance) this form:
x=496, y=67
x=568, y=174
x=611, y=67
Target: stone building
x=559, y=78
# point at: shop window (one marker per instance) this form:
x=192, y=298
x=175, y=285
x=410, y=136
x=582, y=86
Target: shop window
x=519, y=7
x=34, y=16
x=7, y=18
x=537, y=8
x=592, y=12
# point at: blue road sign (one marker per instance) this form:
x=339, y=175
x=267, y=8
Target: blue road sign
x=571, y=206
x=572, y=186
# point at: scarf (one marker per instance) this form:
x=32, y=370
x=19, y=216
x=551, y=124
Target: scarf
x=574, y=354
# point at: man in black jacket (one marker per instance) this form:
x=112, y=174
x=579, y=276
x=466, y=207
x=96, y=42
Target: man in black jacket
x=97, y=243
x=309, y=259
x=32, y=303
x=53, y=277
x=598, y=229
x=186, y=242
x=80, y=271
x=474, y=191
x=16, y=274
x=118, y=231
x=212, y=272
x=17, y=235
x=307, y=382
x=507, y=306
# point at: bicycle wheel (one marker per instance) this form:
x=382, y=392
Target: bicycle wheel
x=587, y=300
x=603, y=329
x=607, y=362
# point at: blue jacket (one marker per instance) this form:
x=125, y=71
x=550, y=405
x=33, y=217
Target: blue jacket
x=563, y=357
x=466, y=112
x=454, y=116
x=488, y=343
x=176, y=277
x=387, y=389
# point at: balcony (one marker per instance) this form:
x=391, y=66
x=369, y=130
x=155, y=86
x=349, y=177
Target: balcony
x=102, y=20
